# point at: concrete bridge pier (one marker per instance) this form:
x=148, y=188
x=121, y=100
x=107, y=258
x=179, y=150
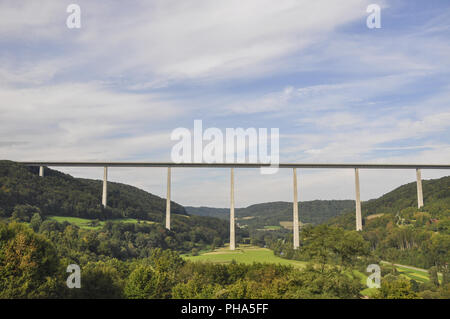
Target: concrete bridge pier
x=419, y=188
x=358, y=202
x=168, y=199
x=105, y=186
x=41, y=171
x=232, y=232
x=295, y=213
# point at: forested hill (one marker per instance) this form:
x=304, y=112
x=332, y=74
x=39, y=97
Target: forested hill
x=402, y=202
x=222, y=213
x=63, y=195
x=313, y=212
x=403, y=199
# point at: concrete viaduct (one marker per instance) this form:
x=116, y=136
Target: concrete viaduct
x=232, y=166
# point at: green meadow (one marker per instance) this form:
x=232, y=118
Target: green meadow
x=272, y=227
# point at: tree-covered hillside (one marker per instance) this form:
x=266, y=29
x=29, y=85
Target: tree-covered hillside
x=400, y=232
x=61, y=194
x=26, y=197
x=222, y=213
x=402, y=201
x=266, y=214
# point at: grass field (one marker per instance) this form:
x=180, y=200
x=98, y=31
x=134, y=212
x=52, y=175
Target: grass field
x=86, y=223
x=286, y=224
x=272, y=227
x=374, y=216
x=247, y=217
x=418, y=276
x=246, y=254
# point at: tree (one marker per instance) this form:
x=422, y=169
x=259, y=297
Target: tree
x=36, y=222
x=29, y=265
x=434, y=276
x=141, y=284
x=331, y=282
x=445, y=275
x=326, y=244
x=396, y=288
x=195, y=288
x=24, y=213
x=349, y=245
x=98, y=280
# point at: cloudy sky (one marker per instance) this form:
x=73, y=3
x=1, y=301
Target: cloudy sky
x=116, y=88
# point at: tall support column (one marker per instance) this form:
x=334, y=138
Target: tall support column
x=358, y=202
x=105, y=186
x=168, y=199
x=41, y=171
x=295, y=213
x=232, y=233
x=419, y=188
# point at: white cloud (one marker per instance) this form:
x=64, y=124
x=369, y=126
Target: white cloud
x=196, y=39
x=33, y=20
x=83, y=121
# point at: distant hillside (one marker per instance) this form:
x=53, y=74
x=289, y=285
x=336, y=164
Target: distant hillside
x=222, y=213
x=61, y=194
x=341, y=212
x=266, y=214
x=436, y=193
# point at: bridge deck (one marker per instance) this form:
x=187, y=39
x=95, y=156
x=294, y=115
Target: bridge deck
x=238, y=165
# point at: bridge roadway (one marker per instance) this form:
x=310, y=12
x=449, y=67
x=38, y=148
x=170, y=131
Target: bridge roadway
x=236, y=165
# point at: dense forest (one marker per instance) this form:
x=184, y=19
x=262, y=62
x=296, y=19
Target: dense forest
x=32, y=265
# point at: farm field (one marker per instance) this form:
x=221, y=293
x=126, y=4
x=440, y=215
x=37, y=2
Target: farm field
x=87, y=223
x=417, y=274
x=247, y=254
x=272, y=227
x=286, y=224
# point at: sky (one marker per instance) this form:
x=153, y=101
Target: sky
x=116, y=88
